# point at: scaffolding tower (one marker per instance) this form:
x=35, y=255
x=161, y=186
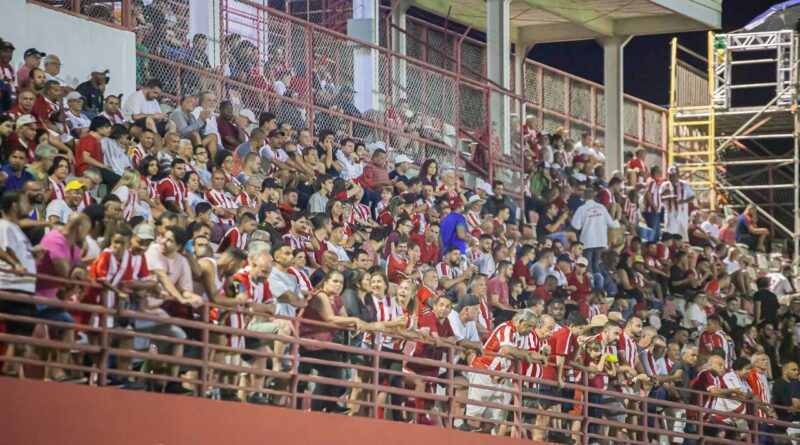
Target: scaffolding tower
x=733, y=126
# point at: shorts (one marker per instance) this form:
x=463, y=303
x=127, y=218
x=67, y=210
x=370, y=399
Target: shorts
x=20, y=309
x=529, y=400
x=161, y=126
x=614, y=409
x=549, y=391
x=263, y=327
x=487, y=395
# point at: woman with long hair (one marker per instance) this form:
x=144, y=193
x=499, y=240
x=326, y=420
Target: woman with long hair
x=357, y=301
x=429, y=172
x=193, y=194
x=148, y=171
x=57, y=174
x=127, y=190
x=325, y=305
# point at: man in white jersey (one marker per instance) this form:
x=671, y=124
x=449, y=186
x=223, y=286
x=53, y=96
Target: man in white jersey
x=676, y=194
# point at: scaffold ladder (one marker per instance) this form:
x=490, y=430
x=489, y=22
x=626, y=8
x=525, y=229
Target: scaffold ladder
x=691, y=124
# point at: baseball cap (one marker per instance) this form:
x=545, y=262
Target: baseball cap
x=565, y=258
x=74, y=185
x=582, y=261
x=473, y=199
x=249, y=115
x=73, y=95
x=672, y=170
x=410, y=198
x=34, y=52
x=5, y=44
x=100, y=69
x=598, y=321
x=269, y=207
x=25, y=119
x=486, y=187
x=144, y=231
x=400, y=159
x=275, y=133
x=271, y=183
x=638, y=259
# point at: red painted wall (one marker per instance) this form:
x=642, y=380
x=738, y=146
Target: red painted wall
x=37, y=413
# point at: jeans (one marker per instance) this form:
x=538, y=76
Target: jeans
x=646, y=234
x=331, y=372
x=593, y=255
x=653, y=220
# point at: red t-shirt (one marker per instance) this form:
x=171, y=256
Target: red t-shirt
x=424, y=350
x=562, y=343
x=42, y=109
x=582, y=293
x=227, y=129
x=395, y=268
x=423, y=294
x=542, y=293
x=430, y=251
x=704, y=381
x=91, y=145
x=522, y=272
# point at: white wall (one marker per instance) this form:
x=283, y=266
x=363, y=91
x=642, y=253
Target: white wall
x=79, y=43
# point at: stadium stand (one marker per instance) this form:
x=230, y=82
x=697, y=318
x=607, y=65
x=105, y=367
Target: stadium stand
x=242, y=232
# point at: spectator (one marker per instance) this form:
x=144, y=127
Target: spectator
x=89, y=151
x=748, y=233
x=143, y=111
x=17, y=254
x=78, y=121
x=93, y=90
x=115, y=149
x=190, y=127
x=32, y=59
x=593, y=221
x=13, y=175
x=232, y=134
x=786, y=390
x=52, y=69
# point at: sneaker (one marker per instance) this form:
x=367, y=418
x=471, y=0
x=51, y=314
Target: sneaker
x=467, y=427
x=229, y=395
x=133, y=385
x=426, y=420
x=176, y=388
x=258, y=399
x=337, y=409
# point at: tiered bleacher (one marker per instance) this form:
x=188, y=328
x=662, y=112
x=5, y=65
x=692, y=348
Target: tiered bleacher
x=220, y=248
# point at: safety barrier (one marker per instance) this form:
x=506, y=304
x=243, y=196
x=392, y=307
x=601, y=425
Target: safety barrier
x=515, y=395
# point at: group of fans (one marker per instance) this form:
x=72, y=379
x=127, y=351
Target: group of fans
x=622, y=283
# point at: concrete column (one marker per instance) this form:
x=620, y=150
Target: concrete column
x=366, y=69
x=498, y=51
x=399, y=70
x=204, y=18
x=613, y=48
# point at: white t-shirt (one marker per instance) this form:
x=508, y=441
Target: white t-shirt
x=779, y=285
x=350, y=169
x=593, y=220
x=341, y=254
x=462, y=331
x=211, y=124
x=60, y=209
x=711, y=229
x=138, y=104
x=279, y=283
x=12, y=239
x=114, y=156
x=78, y=122
x=732, y=381
x=695, y=312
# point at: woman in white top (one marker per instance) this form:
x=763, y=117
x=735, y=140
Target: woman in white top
x=695, y=317
x=127, y=190
x=115, y=149
x=192, y=181
x=77, y=121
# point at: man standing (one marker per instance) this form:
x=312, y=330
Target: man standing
x=713, y=337
x=593, y=220
x=787, y=393
x=676, y=195
x=651, y=210
x=760, y=386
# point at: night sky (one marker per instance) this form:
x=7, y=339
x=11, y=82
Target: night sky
x=646, y=58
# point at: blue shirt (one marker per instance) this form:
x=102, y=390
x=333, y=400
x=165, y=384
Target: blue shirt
x=742, y=227
x=14, y=183
x=449, y=232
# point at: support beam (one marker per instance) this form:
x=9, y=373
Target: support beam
x=657, y=25
x=708, y=12
x=521, y=51
x=399, y=68
x=498, y=51
x=579, y=13
x=613, y=48
x=364, y=26
x=561, y=32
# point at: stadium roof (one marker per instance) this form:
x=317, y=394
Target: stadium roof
x=537, y=21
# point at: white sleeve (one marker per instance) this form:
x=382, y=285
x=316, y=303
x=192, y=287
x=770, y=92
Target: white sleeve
x=577, y=218
x=689, y=191
x=122, y=193
x=132, y=106
x=613, y=223
x=458, y=329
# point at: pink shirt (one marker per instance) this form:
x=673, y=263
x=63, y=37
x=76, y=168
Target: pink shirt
x=57, y=247
x=727, y=235
x=495, y=286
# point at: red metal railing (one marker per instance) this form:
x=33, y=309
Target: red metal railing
x=653, y=416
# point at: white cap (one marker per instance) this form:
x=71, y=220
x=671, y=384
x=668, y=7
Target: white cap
x=400, y=159
x=249, y=115
x=379, y=145
x=582, y=261
x=486, y=187
x=99, y=69
x=473, y=199
x=25, y=119
x=672, y=170
x=73, y=95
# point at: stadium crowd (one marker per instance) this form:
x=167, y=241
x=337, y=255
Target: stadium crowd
x=626, y=279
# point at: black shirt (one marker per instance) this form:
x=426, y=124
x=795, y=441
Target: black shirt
x=769, y=305
x=541, y=225
x=677, y=274
x=92, y=97
x=317, y=277
x=782, y=394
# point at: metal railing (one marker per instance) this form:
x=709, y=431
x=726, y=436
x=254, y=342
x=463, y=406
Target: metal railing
x=645, y=417
x=109, y=12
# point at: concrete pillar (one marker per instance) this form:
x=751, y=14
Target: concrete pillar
x=613, y=48
x=498, y=51
x=521, y=51
x=204, y=18
x=399, y=70
x=366, y=69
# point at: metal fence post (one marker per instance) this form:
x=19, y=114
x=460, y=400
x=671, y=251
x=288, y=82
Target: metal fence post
x=376, y=346
x=450, y=390
x=205, y=352
x=104, y=343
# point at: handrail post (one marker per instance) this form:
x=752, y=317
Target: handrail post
x=756, y=423
x=295, y=354
x=204, y=353
x=104, y=344
x=585, y=409
x=376, y=346
x=517, y=386
x=451, y=402
x=645, y=421
x=126, y=14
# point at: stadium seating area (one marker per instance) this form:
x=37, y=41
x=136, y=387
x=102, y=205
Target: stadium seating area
x=213, y=208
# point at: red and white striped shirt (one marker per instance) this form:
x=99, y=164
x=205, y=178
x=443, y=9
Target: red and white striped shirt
x=296, y=242
x=116, y=118
x=503, y=335
x=709, y=341
x=360, y=215
x=152, y=188
x=136, y=155
x=58, y=189
x=534, y=370
x=387, y=309
x=760, y=386
x=222, y=200
x=652, y=188
x=244, y=200
x=629, y=349
x=474, y=224
x=232, y=238
x=170, y=189
x=302, y=279
x=447, y=271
